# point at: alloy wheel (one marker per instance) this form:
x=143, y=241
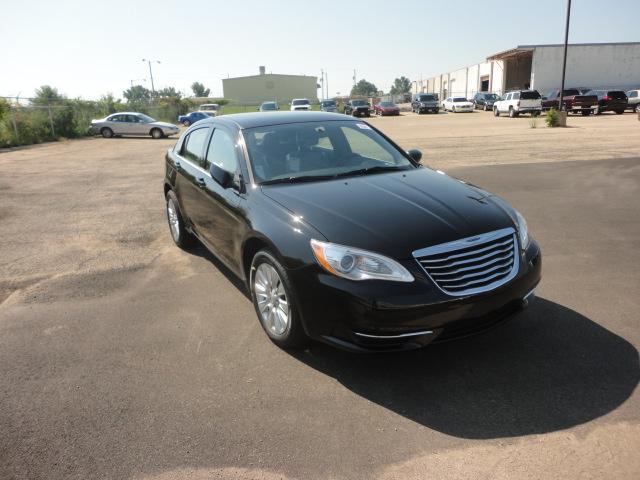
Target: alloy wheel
x=271, y=298
x=174, y=222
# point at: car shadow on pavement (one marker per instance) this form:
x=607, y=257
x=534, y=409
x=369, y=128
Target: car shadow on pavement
x=201, y=251
x=548, y=369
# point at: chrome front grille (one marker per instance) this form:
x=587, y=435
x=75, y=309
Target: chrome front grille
x=472, y=265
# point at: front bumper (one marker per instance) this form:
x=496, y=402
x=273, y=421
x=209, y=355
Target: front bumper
x=387, y=316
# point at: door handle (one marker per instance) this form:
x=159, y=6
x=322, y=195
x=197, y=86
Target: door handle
x=201, y=183
x=178, y=167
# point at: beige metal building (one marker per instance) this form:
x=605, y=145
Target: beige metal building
x=590, y=65
x=255, y=89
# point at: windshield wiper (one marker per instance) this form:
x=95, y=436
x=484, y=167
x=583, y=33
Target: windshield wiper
x=300, y=179
x=376, y=169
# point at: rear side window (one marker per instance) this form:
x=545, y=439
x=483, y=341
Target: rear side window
x=515, y=96
x=618, y=95
x=532, y=95
x=633, y=94
x=193, y=147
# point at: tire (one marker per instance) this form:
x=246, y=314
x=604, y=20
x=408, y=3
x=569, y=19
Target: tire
x=453, y=110
x=156, y=133
x=597, y=111
x=186, y=123
x=179, y=234
x=269, y=283
x=496, y=112
x=619, y=112
x=637, y=108
x=106, y=132
x=586, y=113
x=485, y=107
x=512, y=113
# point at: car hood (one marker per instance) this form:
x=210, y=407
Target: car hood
x=394, y=213
x=163, y=124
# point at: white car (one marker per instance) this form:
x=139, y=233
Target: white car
x=132, y=123
x=457, y=104
x=519, y=101
x=300, y=104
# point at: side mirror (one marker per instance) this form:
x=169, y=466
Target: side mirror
x=221, y=176
x=415, y=154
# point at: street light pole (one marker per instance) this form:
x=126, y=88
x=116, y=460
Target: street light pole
x=564, y=59
x=151, y=72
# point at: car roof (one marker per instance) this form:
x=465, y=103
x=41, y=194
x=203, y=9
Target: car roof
x=125, y=113
x=251, y=120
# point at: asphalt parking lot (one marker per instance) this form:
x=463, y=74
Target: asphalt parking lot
x=123, y=357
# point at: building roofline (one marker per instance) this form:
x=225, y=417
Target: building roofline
x=530, y=48
x=271, y=75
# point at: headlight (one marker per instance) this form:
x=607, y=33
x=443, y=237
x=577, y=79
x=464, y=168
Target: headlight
x=523, y=233
x=357, y=264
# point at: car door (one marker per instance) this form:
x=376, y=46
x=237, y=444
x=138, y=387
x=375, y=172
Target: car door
x=138, y=126
x=116, y=123
x=216, y=214
x=189, y=168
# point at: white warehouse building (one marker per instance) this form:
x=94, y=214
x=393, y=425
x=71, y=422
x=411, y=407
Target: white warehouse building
x=539, y=67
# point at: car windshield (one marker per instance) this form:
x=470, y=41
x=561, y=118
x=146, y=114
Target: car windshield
x=387, y=104
x=328, y=103
x=359, y=103
x=319, y=151
x=301, y=102
x=269, y=106
x=146, y=118
x=427, y=98
x=459, y=99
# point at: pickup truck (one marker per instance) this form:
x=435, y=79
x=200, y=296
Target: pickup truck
x=517, y=102
x=358, y=108
x=572, y=101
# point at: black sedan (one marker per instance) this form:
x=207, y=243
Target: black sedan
x=342, y=236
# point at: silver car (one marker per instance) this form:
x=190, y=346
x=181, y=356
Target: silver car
x=132, y=123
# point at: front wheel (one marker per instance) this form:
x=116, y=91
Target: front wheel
x=586, y=113
x=512, y=113
x=186, y=123
x=157, y=133
x=272, y=296
x=106, y=132
x=619, y=112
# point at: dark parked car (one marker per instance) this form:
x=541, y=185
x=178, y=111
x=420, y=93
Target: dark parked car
x=268, y=107
x=425, y=103
x=610, y=101
x=573, y=101
x=342, y=236
x=328, y=106
x=357, y=108
x=192, y=117
x=386, y=108
x=484, y=100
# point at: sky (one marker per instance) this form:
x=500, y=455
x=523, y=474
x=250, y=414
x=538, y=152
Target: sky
x=87, y=49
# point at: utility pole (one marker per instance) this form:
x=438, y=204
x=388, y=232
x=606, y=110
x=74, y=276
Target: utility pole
x=153, y=90
x=322, y=84
x=564, y=59
x=326, y=81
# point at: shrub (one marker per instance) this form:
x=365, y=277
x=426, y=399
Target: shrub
x=552, y=118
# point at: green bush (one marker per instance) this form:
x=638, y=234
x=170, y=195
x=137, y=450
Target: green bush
x=552, y=118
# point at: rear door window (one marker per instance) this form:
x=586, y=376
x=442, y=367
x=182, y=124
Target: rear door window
x=618, y=95
x=532, y=95
x=515, y=96
x=193, y=147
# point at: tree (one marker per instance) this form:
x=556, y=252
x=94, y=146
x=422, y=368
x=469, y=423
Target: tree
x=364, y=88
x=400, y=86
x=47, y=94
x=168, y=92
x=199, y=90
x=137, y=93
